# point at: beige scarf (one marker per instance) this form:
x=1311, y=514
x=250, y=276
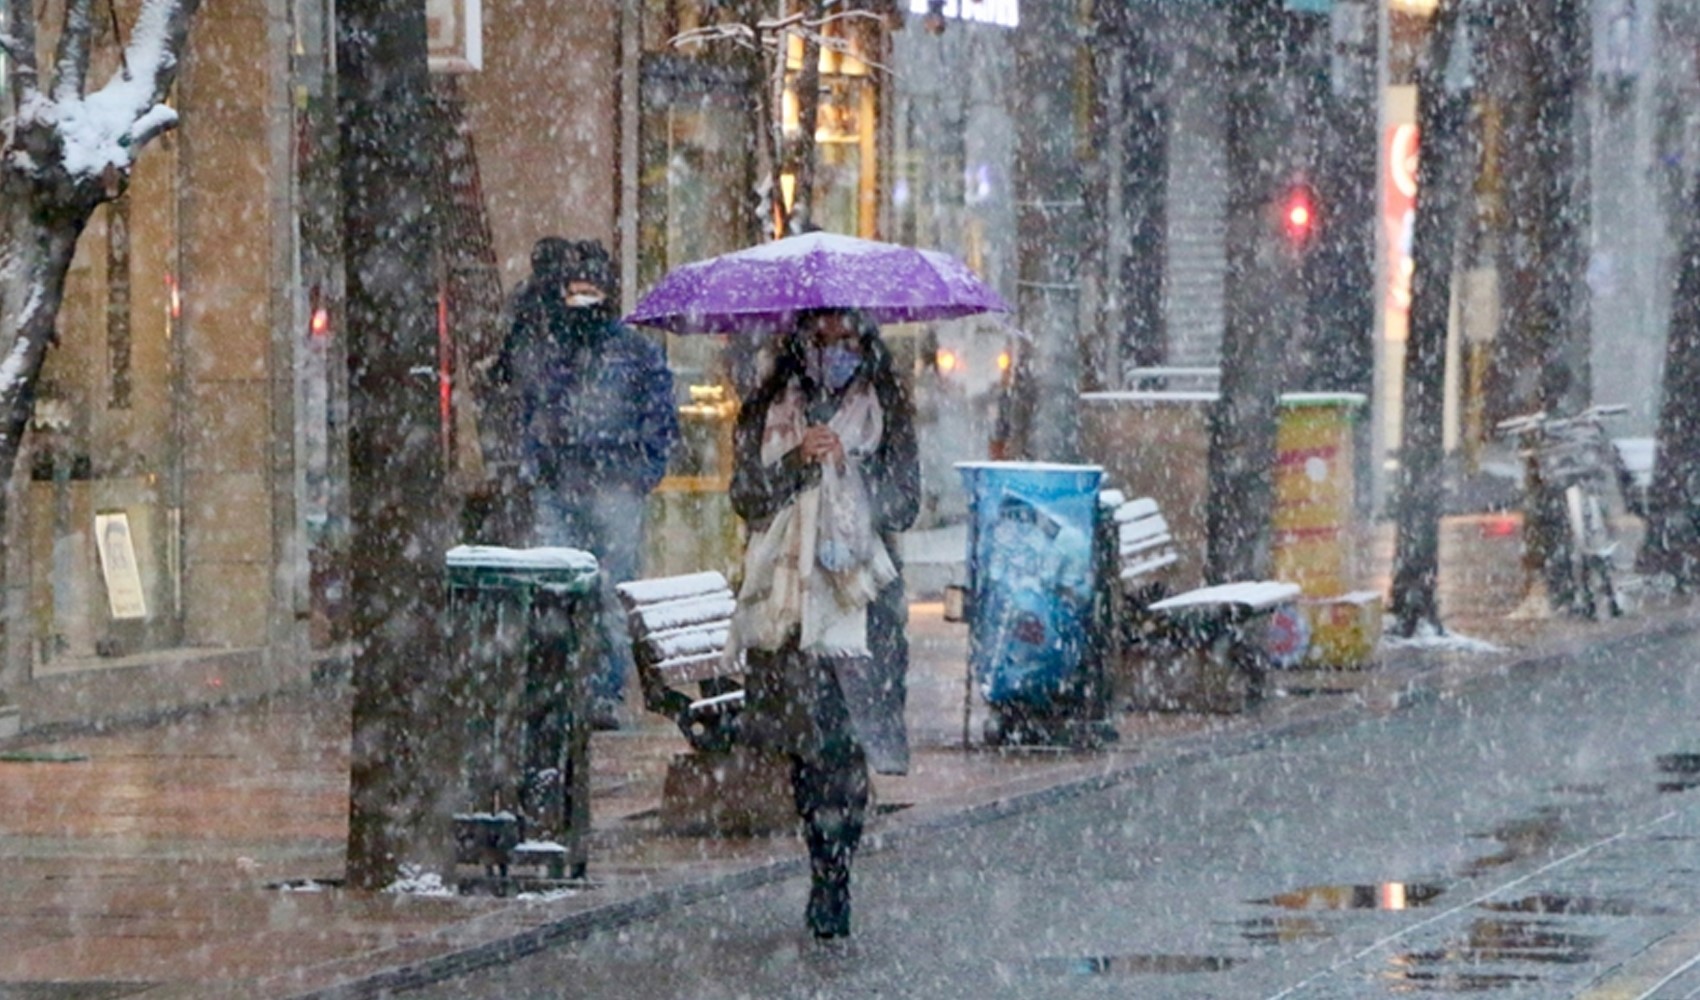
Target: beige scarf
x=819, y=563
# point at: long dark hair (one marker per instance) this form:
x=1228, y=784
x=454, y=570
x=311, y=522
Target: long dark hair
x=877, y=364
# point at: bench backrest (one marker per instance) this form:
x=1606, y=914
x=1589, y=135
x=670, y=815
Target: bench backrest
x=1144, y=544
x=679, y=626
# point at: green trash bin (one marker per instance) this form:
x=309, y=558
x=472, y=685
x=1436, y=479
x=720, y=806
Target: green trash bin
x=522, y=622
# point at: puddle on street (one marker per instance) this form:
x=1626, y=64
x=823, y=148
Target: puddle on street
x=1317, y=691
x=1371, y=896
x=1283, y=930
x=42, y=756
x=1683, y=769
x=1520, y=838
x=1134, y=965
x=1574, y=906
x=1678, y=763
x=1491, y=942
x=1456, y=982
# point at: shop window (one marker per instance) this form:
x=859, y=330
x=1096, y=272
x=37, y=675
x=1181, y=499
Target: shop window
x=103, y=514
x=847, y=193
x=695, y=200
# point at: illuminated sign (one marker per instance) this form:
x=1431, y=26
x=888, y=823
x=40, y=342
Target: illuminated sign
x=1399, y=213
x=1003, y=13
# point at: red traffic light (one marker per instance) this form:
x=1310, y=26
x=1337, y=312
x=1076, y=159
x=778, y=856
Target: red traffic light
x=1298, y=215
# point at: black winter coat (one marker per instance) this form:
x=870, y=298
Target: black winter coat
x=797, y=704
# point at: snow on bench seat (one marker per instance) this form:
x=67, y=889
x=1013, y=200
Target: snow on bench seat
x=1260, y=595
x=680, y=627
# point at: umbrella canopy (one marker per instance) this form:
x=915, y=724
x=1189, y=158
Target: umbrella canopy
x=762, y=289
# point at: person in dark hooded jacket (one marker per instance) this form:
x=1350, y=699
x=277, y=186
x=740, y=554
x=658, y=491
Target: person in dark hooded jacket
x=593, y=400
x=825, y=474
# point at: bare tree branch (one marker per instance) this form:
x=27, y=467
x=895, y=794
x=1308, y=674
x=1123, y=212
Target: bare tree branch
x=741, y=34
x=71, y=65
x=159, y=119
x=21, y=51
x=156, y=45
x=767, y=34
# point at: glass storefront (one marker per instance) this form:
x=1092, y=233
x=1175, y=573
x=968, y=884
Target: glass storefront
x=696, y=199
x=699, y=176
x=104, y=509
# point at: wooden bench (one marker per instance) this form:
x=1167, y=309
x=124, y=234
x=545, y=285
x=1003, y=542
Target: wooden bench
x=1198, y=649
x=679, y=627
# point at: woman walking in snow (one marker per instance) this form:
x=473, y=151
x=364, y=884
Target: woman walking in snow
x=825, y=474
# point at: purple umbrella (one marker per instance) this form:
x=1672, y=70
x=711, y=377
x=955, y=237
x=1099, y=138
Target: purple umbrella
x=763, y=288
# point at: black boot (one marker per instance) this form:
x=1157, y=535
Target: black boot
x=831, y=800
x=829, y=900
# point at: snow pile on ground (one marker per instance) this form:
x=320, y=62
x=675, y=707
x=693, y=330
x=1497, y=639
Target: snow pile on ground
x=1430, y=637
x=416, y=881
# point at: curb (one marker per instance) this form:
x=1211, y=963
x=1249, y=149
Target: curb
x=1422, y=687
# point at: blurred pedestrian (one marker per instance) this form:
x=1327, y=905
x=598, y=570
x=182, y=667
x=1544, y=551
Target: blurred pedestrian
x=825, y=473
x=593, y=400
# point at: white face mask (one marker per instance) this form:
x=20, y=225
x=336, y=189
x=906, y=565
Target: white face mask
x=584, y=300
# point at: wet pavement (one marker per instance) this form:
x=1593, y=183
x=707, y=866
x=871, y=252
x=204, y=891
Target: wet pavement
x=1467, y=863
x=138, y=862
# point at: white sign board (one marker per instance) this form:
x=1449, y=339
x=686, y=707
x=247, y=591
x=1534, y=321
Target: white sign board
x=118, y=565
x=455, y=34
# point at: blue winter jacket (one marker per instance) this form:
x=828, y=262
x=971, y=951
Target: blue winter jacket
x=595, y=406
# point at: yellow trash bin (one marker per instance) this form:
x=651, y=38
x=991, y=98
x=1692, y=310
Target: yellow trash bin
x=1314, y=491
x=1314, y=524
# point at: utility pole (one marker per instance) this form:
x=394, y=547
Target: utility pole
x=1444, y=86
x=399, y=811
x=1053, y=102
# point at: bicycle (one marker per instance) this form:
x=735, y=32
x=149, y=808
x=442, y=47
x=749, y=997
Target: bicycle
x=1574, y=455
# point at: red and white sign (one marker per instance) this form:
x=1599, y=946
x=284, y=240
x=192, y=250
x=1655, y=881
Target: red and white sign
x=1399, y=208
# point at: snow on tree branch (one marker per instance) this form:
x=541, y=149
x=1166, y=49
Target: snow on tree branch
x=769, y=33
x=71, y=65
x=102, y=132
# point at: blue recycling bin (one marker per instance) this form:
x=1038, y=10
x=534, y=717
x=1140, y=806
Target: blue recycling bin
x=1032, y=577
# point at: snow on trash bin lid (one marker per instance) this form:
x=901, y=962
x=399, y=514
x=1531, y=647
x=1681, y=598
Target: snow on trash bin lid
x=1029, y=466
x=500, y=557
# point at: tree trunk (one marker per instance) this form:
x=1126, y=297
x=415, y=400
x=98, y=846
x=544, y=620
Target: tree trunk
x=400, y=781
x=32, y=287
x=1443, y=107
x=1258, y=306
x=1051, y=230
x=46, y=203
x=1673, y=532
x=37, y=241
